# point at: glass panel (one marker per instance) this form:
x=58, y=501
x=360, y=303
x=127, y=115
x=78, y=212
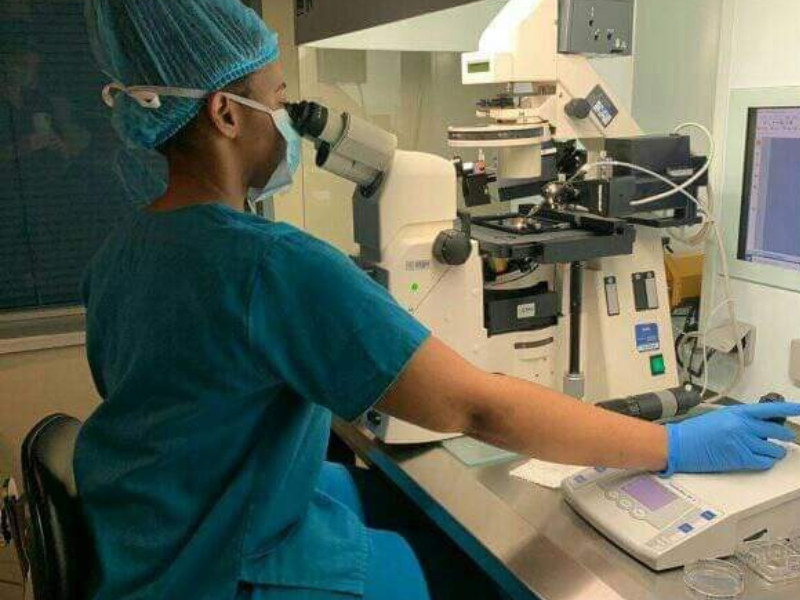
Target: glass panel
x=62, y=169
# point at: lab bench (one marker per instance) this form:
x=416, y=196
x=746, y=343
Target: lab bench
x=524, y=536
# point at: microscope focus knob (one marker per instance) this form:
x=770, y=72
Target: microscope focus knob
x=578, y=108
x=452, y=247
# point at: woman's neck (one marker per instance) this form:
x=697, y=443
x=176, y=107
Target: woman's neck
x=194, y=182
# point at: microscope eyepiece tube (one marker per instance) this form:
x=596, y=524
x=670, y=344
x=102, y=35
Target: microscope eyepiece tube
x=366, y=143
x=316, y=123
x=359, y=173
x=358, y=139
x=347, y=146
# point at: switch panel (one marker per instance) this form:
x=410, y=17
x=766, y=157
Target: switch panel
x=612, y=296
x=596, y=27
x=645, y=291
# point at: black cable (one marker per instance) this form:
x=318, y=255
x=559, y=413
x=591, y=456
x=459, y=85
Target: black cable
x=690, y=325
x=701, y=369
x=678, y=344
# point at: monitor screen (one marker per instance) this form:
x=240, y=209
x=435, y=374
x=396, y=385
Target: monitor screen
x=770, y=224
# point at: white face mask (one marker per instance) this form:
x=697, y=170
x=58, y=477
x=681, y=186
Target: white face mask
x=283, y=176
x=150, y=97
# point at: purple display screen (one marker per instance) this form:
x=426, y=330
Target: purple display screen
x=649, y=493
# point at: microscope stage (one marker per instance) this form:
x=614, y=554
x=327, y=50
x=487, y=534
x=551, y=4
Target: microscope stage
x=552, y=237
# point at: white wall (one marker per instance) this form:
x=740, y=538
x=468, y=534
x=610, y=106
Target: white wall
x=766, y=47
x=677, y=53
x=34, y=385
x=760, y=48
x=432, y=32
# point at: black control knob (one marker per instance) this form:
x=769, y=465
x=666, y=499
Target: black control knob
x=452, y=247
x=578, y=108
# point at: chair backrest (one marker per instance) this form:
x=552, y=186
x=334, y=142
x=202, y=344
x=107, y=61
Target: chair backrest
x=59, y=553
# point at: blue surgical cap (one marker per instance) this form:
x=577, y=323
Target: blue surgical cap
x=196, y=44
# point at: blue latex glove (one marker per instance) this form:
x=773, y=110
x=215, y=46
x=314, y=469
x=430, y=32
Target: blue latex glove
x=730, y=439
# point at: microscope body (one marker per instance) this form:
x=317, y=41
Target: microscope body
x=396, y=229
x=403, y=205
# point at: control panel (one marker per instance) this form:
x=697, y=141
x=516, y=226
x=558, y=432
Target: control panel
x=631, y=343
x=596, y=27
x=661, y=513
x=671, y=522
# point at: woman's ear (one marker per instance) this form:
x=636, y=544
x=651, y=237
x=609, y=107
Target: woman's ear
x=225, y=115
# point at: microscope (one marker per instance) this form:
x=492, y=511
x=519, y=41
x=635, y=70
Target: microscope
x=404, y=210
x=570, y=291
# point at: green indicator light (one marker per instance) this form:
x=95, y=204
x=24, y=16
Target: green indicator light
x=414, y=287
x=657, y=365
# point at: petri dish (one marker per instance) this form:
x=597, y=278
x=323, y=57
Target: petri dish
x=714, y=579
x=775, y=561
x=794, y=540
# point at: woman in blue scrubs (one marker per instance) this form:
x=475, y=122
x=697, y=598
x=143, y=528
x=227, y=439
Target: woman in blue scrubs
x=222, y=343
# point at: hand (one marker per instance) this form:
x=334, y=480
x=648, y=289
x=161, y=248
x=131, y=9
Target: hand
x=732, y=439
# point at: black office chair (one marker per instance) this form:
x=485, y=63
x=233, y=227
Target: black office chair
x=58, y=549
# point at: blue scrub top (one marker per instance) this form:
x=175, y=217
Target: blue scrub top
x=221, y=343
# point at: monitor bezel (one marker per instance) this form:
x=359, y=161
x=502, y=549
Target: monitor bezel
x=730, y=190
x=747, y=185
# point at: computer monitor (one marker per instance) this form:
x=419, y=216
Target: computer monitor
x=770, y=219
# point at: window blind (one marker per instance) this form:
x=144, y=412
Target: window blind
x=64, y=176
x=59, y=193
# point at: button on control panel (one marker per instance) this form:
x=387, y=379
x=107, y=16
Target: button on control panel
x=612, y=296
x=645, y=291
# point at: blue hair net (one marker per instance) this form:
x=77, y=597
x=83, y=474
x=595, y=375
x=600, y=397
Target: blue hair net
x=196, y=44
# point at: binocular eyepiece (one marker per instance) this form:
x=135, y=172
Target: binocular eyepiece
x=347, y=146
x=309, y=118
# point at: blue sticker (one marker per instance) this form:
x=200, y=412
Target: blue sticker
x=647, y=339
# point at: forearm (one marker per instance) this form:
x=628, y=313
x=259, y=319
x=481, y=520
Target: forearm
x=441, y=391
x=536, y=421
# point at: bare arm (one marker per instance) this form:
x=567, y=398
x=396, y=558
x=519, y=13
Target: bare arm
x=443, y=392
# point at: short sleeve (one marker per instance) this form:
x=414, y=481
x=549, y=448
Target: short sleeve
x=325, y=328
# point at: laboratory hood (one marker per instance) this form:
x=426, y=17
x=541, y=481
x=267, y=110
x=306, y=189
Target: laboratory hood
x=412, y=25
